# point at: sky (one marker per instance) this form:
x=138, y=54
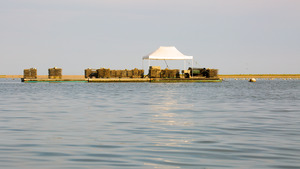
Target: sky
x=234, y=36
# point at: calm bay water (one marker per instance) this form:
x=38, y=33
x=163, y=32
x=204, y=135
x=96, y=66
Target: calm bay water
x=234, y=124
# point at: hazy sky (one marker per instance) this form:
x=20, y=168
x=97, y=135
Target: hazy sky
x=235, y=36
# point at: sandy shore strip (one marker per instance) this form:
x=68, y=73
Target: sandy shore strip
x=261, y=76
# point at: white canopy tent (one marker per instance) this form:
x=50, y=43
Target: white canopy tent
x=167, y=53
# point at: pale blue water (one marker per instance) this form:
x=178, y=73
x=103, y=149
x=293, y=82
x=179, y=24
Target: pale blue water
x=234, y=124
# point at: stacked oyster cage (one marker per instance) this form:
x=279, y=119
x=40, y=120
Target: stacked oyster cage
x=103, y=73
x=55, y=73
x=30, y=73
x=107, y=73
x=203, y=72
x=170, y=73
x=156, y=72
x=90, y=73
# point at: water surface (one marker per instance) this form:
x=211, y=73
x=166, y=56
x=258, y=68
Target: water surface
x=233, y=124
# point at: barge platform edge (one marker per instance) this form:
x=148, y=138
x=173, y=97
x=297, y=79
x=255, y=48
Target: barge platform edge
x=127, y=80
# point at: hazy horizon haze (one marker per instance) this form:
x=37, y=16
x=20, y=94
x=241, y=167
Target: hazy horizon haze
x=236, y=37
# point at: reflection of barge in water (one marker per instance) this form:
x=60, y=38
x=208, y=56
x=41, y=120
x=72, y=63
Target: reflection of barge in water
x=103, y=75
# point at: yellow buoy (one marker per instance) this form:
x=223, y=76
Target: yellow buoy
x=252, y=80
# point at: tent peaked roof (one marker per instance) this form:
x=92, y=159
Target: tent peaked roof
x=167, y=53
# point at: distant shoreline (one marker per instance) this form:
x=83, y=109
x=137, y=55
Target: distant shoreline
x=263, y=76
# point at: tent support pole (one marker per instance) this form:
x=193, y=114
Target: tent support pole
x=192, y=66
x=143, y=65
x=148, y=66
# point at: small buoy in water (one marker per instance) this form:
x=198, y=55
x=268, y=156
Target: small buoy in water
x=252, y=80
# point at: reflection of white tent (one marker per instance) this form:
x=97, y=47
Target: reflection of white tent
x=167, y=53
